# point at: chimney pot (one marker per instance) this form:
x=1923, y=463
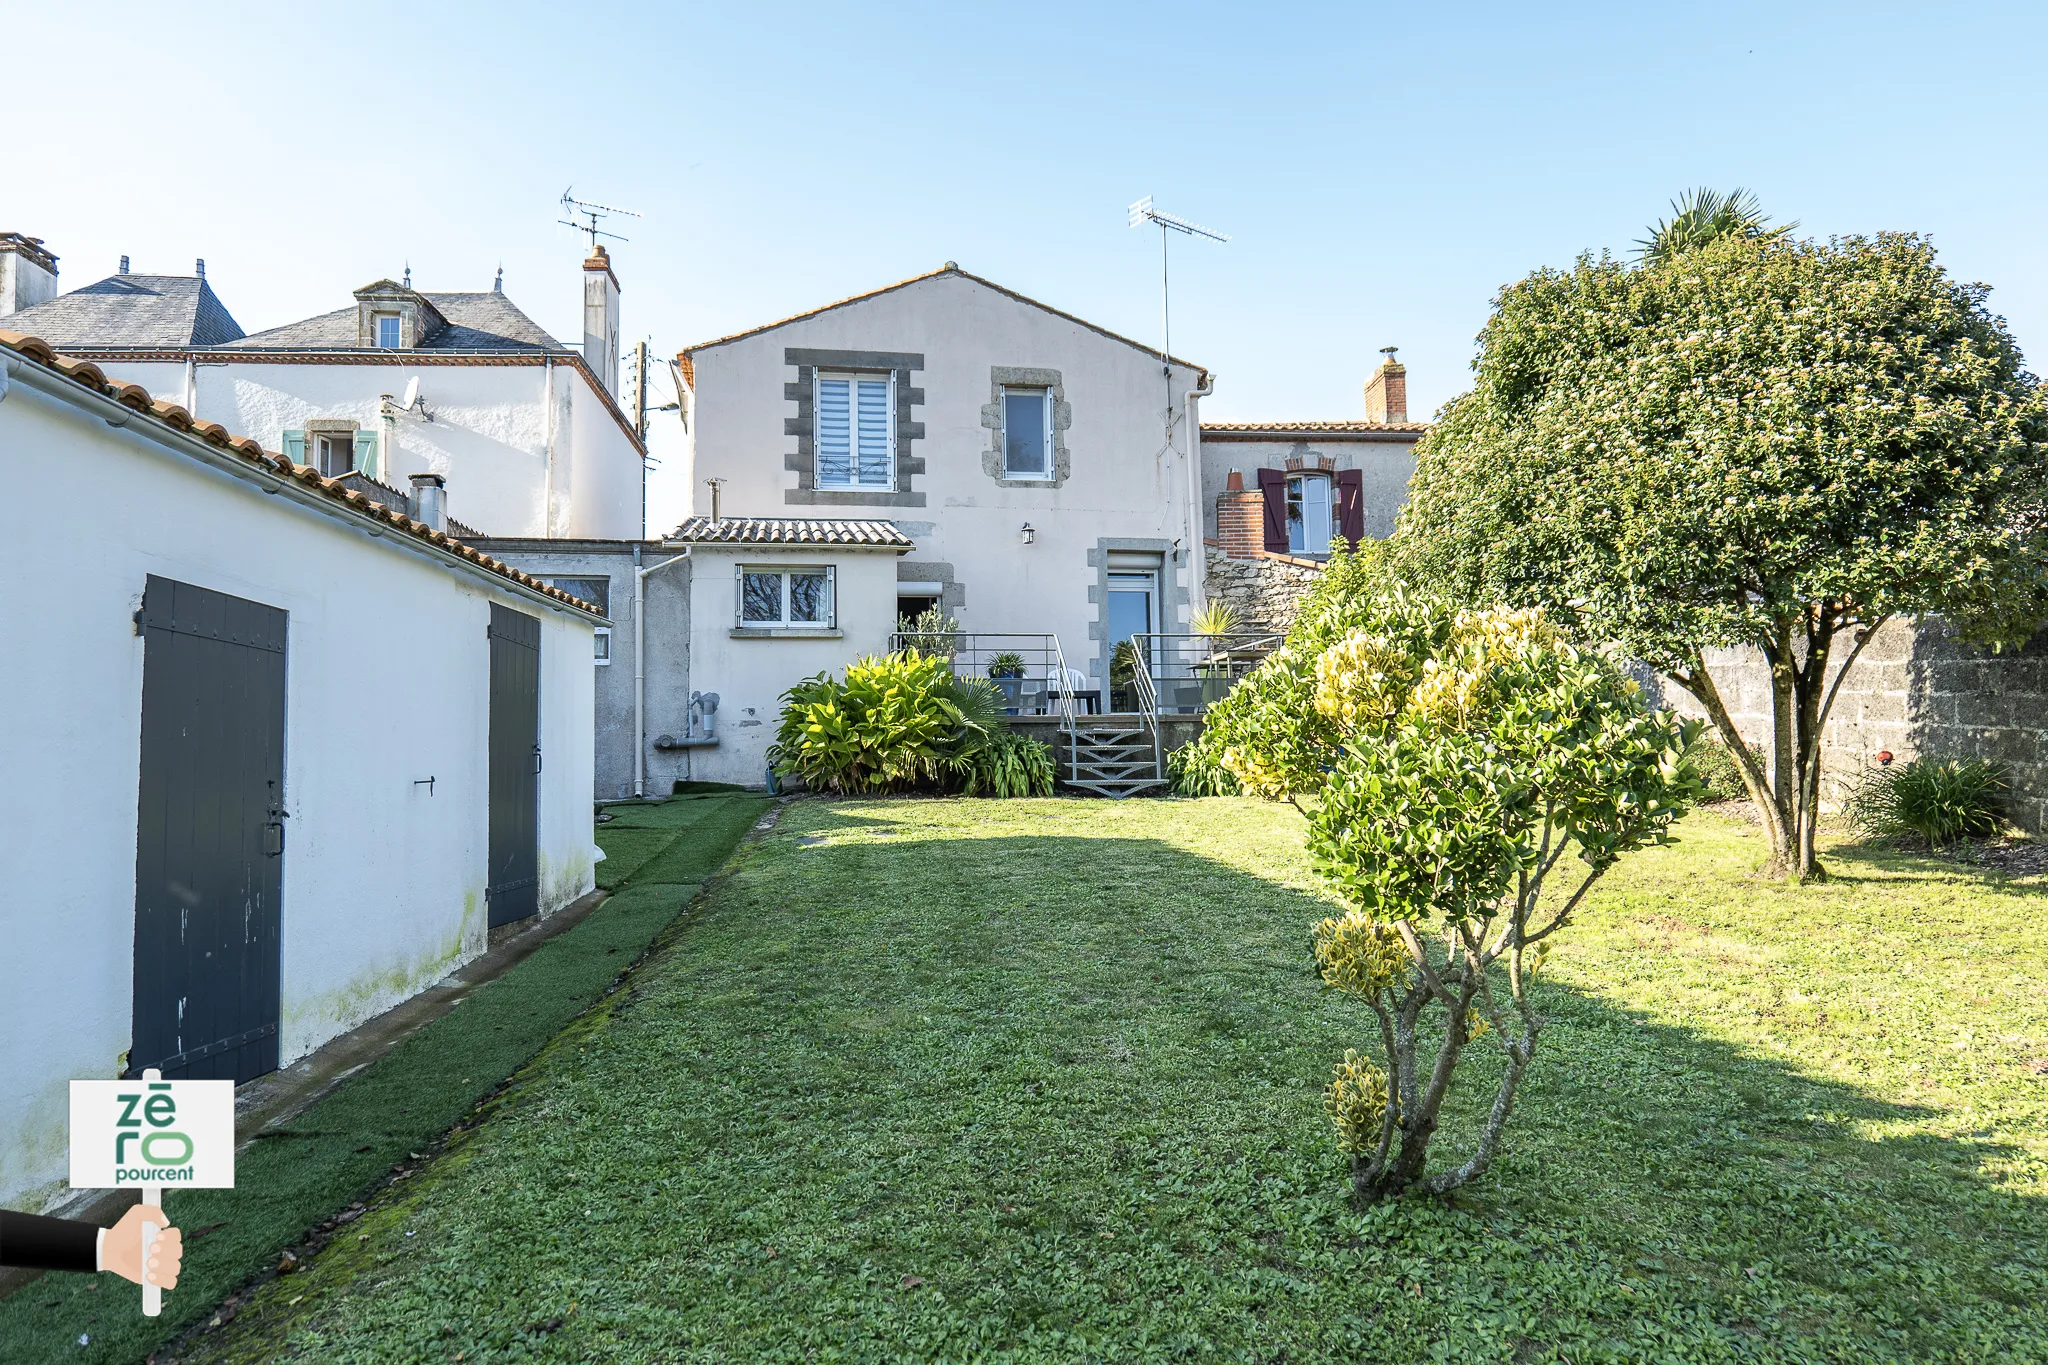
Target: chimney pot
x=430, y=501
x=1235, y=483
x=124, y=265
x=199, y=267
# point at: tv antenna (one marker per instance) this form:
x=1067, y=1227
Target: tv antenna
x=1144, y=212
x=574, y=207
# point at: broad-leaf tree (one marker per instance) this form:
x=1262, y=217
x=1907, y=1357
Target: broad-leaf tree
x=1757, y=442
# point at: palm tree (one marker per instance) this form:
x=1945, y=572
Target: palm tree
x=1702, y=215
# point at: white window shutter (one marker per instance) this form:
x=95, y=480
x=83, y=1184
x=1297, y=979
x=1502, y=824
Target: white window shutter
x=832, y=596
x=836, y=466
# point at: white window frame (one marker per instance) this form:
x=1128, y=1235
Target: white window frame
x=853, y=379
x=1044, y=395
x=322, y=441
x=397, y=321
x=602, y=646
x=1329, y=482
x=739, y=597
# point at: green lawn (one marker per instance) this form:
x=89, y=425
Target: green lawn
x=1039, y=1080
x=296, y=1176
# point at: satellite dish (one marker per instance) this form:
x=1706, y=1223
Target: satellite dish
x=412, y=392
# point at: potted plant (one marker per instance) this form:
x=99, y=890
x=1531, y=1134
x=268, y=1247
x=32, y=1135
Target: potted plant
x=1007, y=670
x=1213, y=625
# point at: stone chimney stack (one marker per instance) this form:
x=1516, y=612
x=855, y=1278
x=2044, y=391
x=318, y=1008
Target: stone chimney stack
x=1240, y=519
x=601, y=319
x=28, y=273
x=1386, y=393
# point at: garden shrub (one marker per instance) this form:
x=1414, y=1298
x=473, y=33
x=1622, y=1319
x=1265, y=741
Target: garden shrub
x=1939, y=799
x=1196, y=769
x=900, y=721
x=1470, y=775
x=1719, y=777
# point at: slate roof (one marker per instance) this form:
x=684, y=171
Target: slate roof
x=789, y=531
x=476, y=322
x=141, y=311
x=133, y=396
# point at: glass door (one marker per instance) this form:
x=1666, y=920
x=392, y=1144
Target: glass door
x=1133, y=610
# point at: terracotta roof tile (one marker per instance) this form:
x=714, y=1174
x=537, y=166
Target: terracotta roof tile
x=1331, y=428
x=789, y=531
x=950, y=269
x=89, y=376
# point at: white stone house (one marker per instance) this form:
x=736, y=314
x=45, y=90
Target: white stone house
x=525, y=433
x=285, y=755
x=965, y=413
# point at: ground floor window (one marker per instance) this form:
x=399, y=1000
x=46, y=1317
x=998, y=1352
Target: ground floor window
x=795, y=597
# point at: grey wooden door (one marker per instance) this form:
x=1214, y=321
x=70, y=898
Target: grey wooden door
x=209, y=841
x=513, y=887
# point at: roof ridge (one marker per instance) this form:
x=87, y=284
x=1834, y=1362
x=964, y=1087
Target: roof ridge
x=948, y=269
x=166, y=413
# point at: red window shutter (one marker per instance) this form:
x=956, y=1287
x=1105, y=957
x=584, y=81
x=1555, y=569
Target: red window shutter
x=1273, y=485
x=1351, y=505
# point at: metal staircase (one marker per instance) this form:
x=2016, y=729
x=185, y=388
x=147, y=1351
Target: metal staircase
x=1114, y=757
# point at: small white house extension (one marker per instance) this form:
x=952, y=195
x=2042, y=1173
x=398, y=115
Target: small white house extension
x=525, y=432
x=283, y=757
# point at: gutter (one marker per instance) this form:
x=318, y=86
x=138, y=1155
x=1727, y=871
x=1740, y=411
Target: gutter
x=57, y=386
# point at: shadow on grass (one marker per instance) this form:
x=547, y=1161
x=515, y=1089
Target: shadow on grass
x=911, y=1091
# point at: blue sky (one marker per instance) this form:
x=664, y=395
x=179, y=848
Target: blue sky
x=1382, y=169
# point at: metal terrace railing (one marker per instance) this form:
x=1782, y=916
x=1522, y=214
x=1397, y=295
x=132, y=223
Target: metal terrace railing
x=1184, y=675
x=1029, y=670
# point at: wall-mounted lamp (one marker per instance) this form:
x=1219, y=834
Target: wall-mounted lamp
x=1029, y=534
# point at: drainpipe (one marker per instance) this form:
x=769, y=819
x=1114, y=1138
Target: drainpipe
x=1198, y=562
x=640, y=665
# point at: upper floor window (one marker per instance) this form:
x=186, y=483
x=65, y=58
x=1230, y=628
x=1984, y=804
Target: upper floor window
x=1310, y=520
x=388, y=331
x=1027, y=433
x=856, y=431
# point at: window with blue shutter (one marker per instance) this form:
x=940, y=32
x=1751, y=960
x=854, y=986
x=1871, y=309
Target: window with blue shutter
x=366, y=452
x=295, y=447
x=856, y=432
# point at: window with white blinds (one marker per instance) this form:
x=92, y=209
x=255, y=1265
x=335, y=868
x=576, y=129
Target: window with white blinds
x=856, y=431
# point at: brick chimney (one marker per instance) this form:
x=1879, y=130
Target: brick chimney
x=1240, y=519
x=601, y=318
x=28, y=273
x=1386, y=393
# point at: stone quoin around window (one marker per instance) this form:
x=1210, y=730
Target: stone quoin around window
x=803, y=392
x=1007, y=380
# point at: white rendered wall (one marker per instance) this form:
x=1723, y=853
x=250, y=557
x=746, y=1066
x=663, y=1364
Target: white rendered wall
x=750, y=673
x=1123, y=485
x=387, y=670
x=488, y=435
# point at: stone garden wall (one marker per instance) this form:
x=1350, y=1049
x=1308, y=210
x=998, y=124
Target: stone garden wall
x=1263, y=590
x=1915, y=690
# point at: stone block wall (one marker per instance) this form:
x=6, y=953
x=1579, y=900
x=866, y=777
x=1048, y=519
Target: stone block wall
x=1916, y=690
x=1263, y=589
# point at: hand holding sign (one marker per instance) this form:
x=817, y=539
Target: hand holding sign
x=123, y=1254
x=144, y=1135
